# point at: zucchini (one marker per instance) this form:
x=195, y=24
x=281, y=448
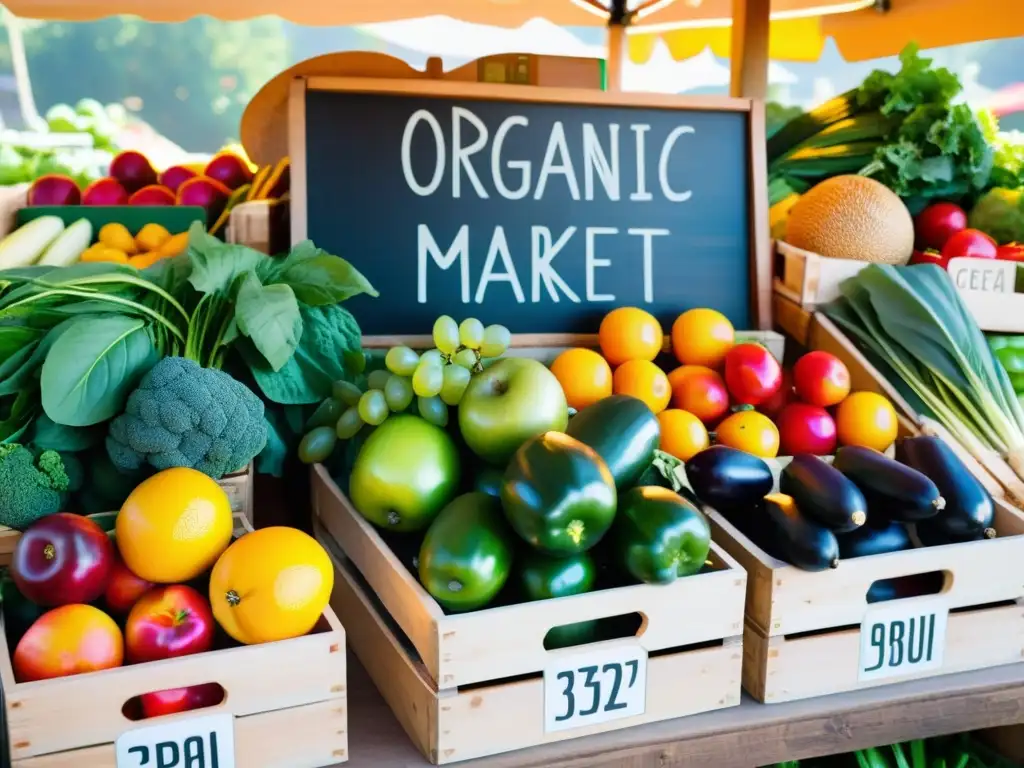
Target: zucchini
x=807, y=545
x=803, y=127
x=727, y=479
x=623, y=431
x=868, y=541
x=892, y=489
x=969, y=509
x=824, y=494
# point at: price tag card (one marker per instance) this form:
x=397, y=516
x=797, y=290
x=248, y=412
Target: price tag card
x=902, y=638
x=196, y=742
x=595, y=686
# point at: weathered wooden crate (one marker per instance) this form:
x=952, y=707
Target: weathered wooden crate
x=288, y=700
x=238, y=487
x=808, y=278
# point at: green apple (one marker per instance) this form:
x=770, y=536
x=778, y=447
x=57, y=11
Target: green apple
x=511, y=401
x=405, y=473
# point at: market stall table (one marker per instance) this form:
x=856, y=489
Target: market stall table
x=724, y=739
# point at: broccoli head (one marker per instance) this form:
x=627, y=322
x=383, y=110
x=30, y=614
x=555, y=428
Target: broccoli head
x=183, y=415
x=30, y=487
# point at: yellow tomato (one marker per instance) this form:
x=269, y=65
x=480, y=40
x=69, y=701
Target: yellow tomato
x=751, y=432
x=151, y=237
x=628, y=334
x=117, y=236
x=174, y=526
x=702, y=337
x=585, y=377
x=867, y=419
x=683, y=435
x=645, y=381
x=270, y=585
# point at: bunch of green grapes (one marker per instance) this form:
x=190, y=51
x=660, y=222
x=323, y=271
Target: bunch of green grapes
x=436, y=379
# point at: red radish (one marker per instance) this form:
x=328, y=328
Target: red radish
x=154, y=194
x=1010, y=252
x=209, y=194
x=969, y=243
x=133, y=170
x=937, y=223
x=105, y=191
x=175, y=176
x=929, y=257
x=821, y=378
x=806, y=428
x=54, y=189
x=752, y=374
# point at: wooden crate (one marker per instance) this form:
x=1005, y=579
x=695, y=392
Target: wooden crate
x=288, y=700
x=810, y=279
x=459, y=722
x=238, y=487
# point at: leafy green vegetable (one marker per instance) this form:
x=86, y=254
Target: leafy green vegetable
x=269, y=315
x=317, y=278
x=49, y=435
x=1000, y=213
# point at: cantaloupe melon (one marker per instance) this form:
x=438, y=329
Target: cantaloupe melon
x=852, y=217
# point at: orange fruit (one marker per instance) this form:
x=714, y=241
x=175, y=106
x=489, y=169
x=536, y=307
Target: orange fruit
x=66, y=641
x=702, y=393
x=867, y=419
x=174, y=526
x=682, y=434
x=270, y=585
x=702, y=337
x=645, y=381
x=751, y=432
x=628, y=334
x=585, y=377
x=683, y=372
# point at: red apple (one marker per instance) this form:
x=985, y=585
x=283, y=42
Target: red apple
x=821, y=378
x=105, y=191
x=154, y=194
x=230, y=170
x=62, y=559
x=752, y=374
x=133, y=170
x=174, y=700
x=806, y=428
x=124, y=588
x=207, y=193
x=54, y=189
x=166, y=622
x=175, y=176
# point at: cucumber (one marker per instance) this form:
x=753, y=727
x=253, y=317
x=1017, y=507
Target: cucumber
x=26, y=244
x=824, y=494
x=895, y=490
x=806, y=544
x=69, y=245
x=623, y=431
x=867, y=541
x=969, y=509
x=727, y=479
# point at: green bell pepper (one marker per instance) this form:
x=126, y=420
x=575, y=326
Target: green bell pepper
x=541, y=578
x=660, y=536
x=466, y=554
x=1009, y=350
x=558, y=494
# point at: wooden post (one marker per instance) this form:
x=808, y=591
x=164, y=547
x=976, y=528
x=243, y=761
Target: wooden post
x=749, y=57
x=618, y=18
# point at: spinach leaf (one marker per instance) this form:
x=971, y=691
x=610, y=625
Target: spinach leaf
x=216, y=265
x=285, y=428
x=318, y=278
x=329, y=333
x=16, y=414
x=22, y=369
x=16, y=337
x=57, y=437
x=269, y=315
x=93, y=366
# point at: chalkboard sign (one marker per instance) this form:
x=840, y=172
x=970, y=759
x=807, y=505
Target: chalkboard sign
x=515, y=205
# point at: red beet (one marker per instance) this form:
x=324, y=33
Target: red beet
x=207, y=193
x=154, y=194
x=54, y=189
x=230, y=170
x=133, y=170
x=62, y=559
x=105, y=191
x=805, y=429
x=175, y=176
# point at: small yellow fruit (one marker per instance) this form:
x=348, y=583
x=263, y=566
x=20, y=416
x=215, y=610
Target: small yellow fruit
x=117, y=236
x=143, y=260
x=174, y=245
x=93, y=253
x=151, y=237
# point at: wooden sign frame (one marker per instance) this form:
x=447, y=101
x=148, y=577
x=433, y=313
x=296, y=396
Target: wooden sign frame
x=760, y=259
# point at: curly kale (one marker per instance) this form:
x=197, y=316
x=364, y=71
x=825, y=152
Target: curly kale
x=30, y=487
x=183, y=415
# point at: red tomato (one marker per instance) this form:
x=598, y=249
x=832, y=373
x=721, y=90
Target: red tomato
x=175, y=700
x=929, y=257
x=703, y=394
x=167, y=622
x=752, y=374
x=124, y=588
x=937, y=223
x=806, y=429
x=821, y=379
x=780, y=399
x=1010, y=252
x=970, y=243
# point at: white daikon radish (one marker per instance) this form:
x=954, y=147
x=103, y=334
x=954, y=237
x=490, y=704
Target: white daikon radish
x=69, y=245
x=27, y=243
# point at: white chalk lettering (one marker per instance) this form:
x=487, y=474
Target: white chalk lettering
x=427, y=247
x=648, y=235
x=461, y=154
x=523, y=166
x=439, y=161
x=666, y=151
x=499, y=247
x=642, y=194
x=557, y=144
x=595, y=160
x=542, y=253
x=593, y=262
